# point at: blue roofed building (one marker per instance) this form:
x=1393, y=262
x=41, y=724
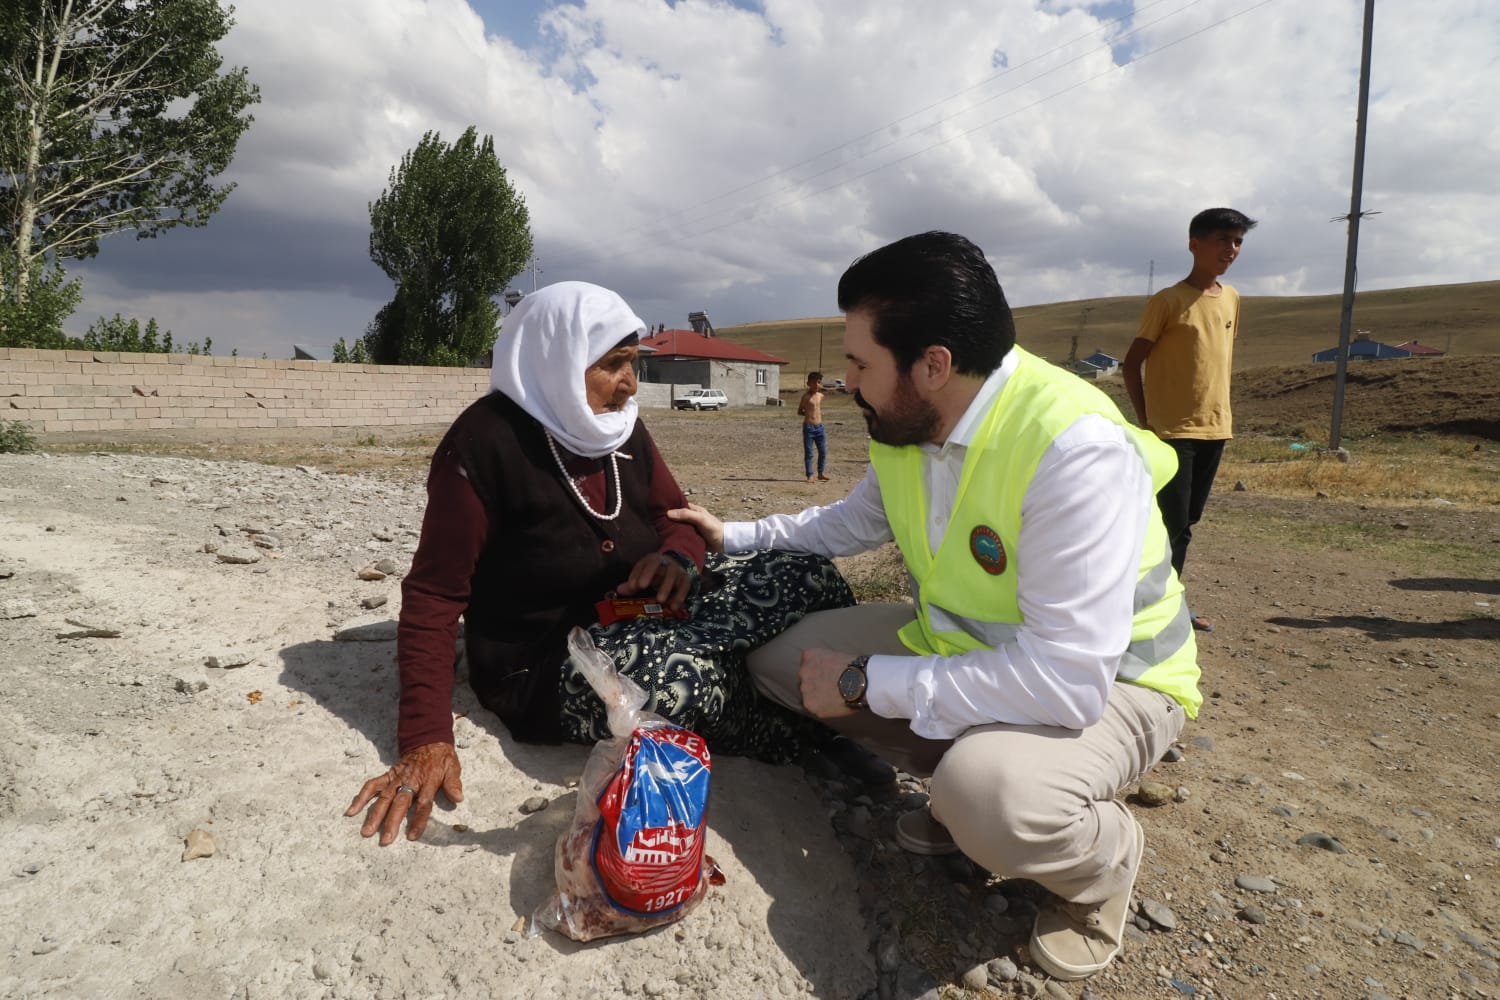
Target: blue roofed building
x=1106, y=364
x=1362, y=348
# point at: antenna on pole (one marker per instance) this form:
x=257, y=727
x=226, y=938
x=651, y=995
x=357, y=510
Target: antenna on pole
x=1346, y=313
x=536, y=268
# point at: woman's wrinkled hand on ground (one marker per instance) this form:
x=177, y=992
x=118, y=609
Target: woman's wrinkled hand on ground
x=408, y=791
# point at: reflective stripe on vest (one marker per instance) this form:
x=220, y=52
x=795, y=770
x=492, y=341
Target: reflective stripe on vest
x=1143, y=654
x=1140, y=656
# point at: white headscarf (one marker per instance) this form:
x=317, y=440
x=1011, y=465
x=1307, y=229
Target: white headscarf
x=545, y=344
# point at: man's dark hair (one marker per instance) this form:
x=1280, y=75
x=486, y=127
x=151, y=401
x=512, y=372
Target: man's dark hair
x=932, y=288
x=1219, y=220
x=814, y=377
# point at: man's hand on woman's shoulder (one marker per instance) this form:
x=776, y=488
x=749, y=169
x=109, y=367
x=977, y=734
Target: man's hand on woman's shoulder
x=710, y=527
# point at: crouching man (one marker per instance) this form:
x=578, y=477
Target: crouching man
x=1048, y=658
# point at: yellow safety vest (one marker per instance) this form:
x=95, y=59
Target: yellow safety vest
x=966, y=592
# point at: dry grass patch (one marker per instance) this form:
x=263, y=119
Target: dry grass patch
x=1277, y=330
x=1369, y=537
x=1382, y=471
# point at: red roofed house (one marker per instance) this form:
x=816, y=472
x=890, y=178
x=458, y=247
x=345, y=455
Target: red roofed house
x=1420, y=350
x=687, y=359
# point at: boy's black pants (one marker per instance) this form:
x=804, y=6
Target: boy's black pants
x=1182, y=500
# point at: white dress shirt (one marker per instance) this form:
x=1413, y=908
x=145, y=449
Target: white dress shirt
x=1078, y=554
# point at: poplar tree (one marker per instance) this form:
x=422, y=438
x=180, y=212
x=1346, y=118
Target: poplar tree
x=115, y=115
x=451, y=231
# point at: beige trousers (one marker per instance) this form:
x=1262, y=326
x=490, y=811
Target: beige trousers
x=1035, y=802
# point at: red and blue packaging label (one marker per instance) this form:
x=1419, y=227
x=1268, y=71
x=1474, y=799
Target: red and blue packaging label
x=648, y=843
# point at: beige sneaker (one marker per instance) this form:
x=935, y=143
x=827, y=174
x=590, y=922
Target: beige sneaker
x=1073, y=940
x=919, y=833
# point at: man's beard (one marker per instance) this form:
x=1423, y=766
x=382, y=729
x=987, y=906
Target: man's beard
x=907, y=419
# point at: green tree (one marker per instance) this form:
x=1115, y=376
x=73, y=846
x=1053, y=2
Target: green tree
x=36, y=319
x=114, y=116
x=345, y=355
x=120, y=334
x=451, y=232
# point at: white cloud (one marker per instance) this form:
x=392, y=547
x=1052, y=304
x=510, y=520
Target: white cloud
x=702, y=155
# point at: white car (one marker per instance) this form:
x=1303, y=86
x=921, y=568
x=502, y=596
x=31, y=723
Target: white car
x=701, y=399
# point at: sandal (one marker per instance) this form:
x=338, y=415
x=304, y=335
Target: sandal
x=919, y=833
x=1201, y=624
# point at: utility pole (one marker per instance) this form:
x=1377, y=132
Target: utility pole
x=1083, y=327
x=1346, y=313
x=535, y=270
x=820, y=347
x=1150, y=279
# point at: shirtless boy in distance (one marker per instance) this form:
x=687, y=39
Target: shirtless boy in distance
x=810, y=409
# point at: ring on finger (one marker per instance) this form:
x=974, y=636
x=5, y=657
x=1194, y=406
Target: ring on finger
x=406, y=788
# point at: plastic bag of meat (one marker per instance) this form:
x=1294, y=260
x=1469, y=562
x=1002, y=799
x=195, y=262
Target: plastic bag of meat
x=633, y=857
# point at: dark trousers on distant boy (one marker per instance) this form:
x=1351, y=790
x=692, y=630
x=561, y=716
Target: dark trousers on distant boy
x=1182, y=500
x=812, y=434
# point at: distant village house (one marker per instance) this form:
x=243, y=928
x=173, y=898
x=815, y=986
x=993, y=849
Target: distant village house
x=1420, y=350
x=1362, y=348
x=1096, y=365
x=698, y=359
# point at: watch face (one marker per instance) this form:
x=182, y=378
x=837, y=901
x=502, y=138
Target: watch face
x=851, y=683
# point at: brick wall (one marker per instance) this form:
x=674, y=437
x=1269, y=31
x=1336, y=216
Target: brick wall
x=62, y=391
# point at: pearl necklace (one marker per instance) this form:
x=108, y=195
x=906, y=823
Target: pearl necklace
x=614, y=464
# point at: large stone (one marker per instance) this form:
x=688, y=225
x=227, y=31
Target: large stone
x=1159, y=914
x=17, y=607
x=225, y=659
x=1255, y=883
x=1153, y=793
x=1323, y=841
x=370, y=628
x=200, y=844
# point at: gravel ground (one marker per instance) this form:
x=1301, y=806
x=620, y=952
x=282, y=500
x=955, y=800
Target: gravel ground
x=1327, y=828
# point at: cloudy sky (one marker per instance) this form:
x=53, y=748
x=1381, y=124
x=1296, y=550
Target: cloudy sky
x=736, y=156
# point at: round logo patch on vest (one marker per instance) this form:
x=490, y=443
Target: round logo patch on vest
x=985, y=547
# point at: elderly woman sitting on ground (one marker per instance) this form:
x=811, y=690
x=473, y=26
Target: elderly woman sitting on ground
x=545, y=497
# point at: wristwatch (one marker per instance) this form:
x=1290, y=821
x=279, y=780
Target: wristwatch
x=852, y=683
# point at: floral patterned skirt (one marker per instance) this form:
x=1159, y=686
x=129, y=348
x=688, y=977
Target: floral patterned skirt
x=693, y=669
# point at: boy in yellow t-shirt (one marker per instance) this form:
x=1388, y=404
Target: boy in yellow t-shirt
x=1177, y=372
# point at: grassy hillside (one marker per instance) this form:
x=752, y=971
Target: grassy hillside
x=1464, y=319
